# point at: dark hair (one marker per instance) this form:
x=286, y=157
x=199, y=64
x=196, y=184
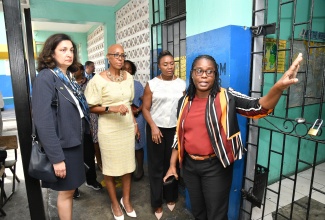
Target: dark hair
x=133, y=67
x=45, y=59
x=163, y=54
x=88, y=63
x=80, y=66
x=216, y=85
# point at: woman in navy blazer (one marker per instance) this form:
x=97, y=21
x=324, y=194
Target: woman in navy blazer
x=59, y=112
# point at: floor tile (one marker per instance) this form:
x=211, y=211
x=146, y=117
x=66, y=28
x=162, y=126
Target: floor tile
x=302, y=184
x=319, y=175
x=268, y=217
x=269, y=208
x=320, y=197
x=285, y=195
x=321, y=166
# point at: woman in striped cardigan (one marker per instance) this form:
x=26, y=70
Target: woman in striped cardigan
x=206, y=145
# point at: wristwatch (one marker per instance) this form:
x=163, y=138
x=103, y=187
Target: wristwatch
x=106, y=109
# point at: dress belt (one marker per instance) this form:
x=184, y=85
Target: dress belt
x=199, y=157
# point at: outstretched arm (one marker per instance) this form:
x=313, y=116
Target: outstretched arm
x=270, y=100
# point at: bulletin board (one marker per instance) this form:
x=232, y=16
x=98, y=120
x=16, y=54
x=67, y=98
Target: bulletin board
x=313, y=79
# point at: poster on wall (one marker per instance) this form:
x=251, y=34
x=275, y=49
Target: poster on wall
x=271, y=53
x=180, y=67
x=311, y=78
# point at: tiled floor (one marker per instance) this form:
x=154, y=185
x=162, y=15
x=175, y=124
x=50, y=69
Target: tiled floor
x=302, y=190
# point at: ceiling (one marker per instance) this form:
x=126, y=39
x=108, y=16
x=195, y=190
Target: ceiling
x=66, y=27
x=62, y=27
x=69, y=27
x=94, y=2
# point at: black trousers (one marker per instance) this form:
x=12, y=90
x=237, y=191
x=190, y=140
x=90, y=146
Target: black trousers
x=89, y=158
x=208, y=184
x=158, y=164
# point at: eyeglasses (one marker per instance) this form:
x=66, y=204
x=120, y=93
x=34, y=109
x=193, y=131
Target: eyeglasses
x=116, y=55
x=199, y=72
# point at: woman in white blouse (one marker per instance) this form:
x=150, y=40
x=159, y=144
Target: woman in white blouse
x=160, y=101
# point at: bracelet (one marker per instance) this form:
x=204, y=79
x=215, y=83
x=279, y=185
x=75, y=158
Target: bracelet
x=135, y=123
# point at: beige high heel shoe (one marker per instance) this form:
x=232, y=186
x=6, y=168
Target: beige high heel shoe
x=158, y=215
x=171, y=206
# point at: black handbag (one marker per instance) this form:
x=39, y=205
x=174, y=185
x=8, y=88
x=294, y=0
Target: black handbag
x=40, y=166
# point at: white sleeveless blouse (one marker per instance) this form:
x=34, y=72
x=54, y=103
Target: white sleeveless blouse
x=165, y=96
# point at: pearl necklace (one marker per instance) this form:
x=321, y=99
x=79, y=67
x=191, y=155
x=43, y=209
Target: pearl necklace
x=120, y=78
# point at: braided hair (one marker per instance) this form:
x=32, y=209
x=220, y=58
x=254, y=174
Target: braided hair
x=216, y=85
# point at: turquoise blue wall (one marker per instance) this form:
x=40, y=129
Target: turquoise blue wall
x=302, y=15
x=206, y=15
x=70, y=12
x=78, y=13
x=119, y=5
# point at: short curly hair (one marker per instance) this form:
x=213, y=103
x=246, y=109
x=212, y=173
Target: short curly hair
x=45, y=59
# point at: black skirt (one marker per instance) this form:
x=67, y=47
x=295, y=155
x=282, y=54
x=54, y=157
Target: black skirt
x=75, y=171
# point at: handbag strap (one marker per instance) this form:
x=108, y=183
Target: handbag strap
x=33, y=124
x=33, y=130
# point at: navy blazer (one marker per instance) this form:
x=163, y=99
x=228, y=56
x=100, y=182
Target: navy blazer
x=56, y=116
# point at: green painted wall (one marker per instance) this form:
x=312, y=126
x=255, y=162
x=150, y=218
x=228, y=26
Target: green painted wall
x=302, y=15
x=78, y=13
x=119, y=5
x=72, y=12
x=206, y=15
